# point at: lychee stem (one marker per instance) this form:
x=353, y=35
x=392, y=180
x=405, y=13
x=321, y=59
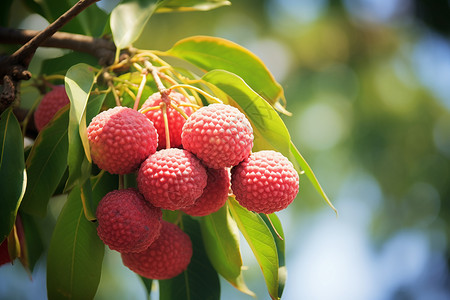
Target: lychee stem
x=113, y=90
x=143, y=111
x=180, y=111
x=166, y=124
x=200, y=91
x=121, y=182
x=53, y=77
x=141, y=89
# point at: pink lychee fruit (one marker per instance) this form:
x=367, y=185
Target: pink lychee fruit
x=214, y=195
x=120, y=139
x=49, y=106
x=126, y=222
x=174, y=118
x=171, y=178
x=265, y=182
x=167, y=257
x=219, y=135
x=4, y=253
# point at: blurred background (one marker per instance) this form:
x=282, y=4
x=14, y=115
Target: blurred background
x=368, y=83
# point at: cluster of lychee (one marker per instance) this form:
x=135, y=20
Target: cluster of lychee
x=185, y=160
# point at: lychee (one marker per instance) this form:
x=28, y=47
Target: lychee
x=4, y=253
x=120, y=139
x=265, y=182
x=49, y=106
x=214, y=195
x=126, y=222
x=174, y=118
x=167, y=257
x=219, y=135
x=171, y=178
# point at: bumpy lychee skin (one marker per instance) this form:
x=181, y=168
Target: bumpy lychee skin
x=174, y=118
x=49, y=105
x=219, y=135
x=265, y=182
x=167, y=257
x=214, y=195
x=126, y=222
x=120, y=139
x=171, y=178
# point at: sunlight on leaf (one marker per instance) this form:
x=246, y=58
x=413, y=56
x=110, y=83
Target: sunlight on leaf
x=261, y=241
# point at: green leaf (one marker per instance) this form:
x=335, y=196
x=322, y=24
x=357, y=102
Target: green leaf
x=128, y=20
x=79, y=81
x=273, y=222
x=5, y=6
x=148, y=285
x=269, y=129
x=310, y=174
x=46, y=164
x=190, y=5
x=75, y=254
x=102, y=184
x=60, y=65
x=33, y=237
x=200, y=280
x=210, y=53
x=261, y=241
x=12, y=171
x=221, y=238
x=90, y=22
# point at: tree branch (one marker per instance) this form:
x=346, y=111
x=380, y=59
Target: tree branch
x=102, y=49
x=13, y=68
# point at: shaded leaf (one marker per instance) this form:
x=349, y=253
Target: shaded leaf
x=190, y=5
x=221, y=238
x=261, y=241
x=310, y=174
x=75, y=254
x=5, y=6
x=90, y=22
x=200, y=280
x=34, y=242
x=148, y=285
x=60, y=65
x=46, y=164
x=211, y=53
x=12, y=171
x=128, y=20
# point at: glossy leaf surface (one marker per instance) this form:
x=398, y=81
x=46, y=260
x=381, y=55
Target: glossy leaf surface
x=221, y=239
x=261, y=241
x=211, y=53
x=12, y=171
x=75, y=254
x=46, y=164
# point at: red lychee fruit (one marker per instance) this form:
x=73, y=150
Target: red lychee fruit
x=265, y=182
x=126, y=222
x=4, y=254
x=174, y=118
x=214, y=195
x=171, y=178
x=167, y=257
x=49, y=106
x=120, y=139
x=219, y=135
